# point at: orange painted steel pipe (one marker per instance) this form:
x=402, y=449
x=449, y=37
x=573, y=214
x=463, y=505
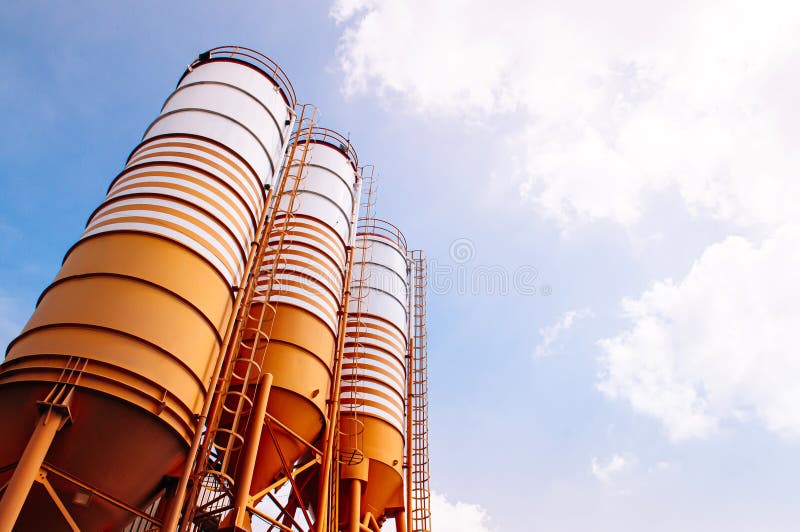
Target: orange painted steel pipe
x=355, y=505
x=28, y=467
x=406, y=516
x=245, y=477
x=333, y=420
x=400, y=522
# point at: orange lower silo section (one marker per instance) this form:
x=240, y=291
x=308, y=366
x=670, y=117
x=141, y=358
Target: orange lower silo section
x=299, y=356
x=141, y=336
x=372, y=454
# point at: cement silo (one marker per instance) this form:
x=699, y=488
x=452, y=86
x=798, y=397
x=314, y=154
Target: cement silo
x=309, y=272
x=373, y=389
x=99, y=393
x=289, y=327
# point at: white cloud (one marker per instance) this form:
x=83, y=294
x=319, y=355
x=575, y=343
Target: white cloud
x=604, y=104
x=449, y=516
x=720, y=345
x=663, y=465
x=551, y=334
x=606, y=472
x=601, y=108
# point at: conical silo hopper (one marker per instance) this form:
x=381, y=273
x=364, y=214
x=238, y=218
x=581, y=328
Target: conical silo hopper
x=373, y=390
x=122, y=346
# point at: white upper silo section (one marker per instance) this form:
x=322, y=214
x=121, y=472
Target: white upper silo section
x=313, y=258
x=373, y=373
x=237, y=97
x=197, y=178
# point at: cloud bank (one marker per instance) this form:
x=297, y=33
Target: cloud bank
x=606, y=472
x=449, y=516
x=606, y=107
x=604, y=104
x=719, y=345
x=551, y=334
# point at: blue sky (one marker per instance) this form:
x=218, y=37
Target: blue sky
x=641, y=159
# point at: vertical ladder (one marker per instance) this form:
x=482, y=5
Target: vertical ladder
x=419, y=504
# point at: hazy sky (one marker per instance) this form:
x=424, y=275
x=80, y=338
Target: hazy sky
x=608, y=193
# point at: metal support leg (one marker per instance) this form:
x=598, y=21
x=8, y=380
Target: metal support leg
x=27, y=470
x=355, y=505
x=400, y=522
x=239, y=519
x=42, y=479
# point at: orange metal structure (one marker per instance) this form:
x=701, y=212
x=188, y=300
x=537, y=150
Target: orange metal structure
x=227, y=341
x=373, y=392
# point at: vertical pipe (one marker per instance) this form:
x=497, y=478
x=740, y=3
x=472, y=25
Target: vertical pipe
x=167, y=500
x=409, y=423
x=400, y=521
x=249, y=454
x=355, y=505
x=333, y=420
x=28, y=467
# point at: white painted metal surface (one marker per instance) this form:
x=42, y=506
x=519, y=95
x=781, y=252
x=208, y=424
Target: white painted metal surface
x=311, y=271
x=373, y=374
x=197, y=177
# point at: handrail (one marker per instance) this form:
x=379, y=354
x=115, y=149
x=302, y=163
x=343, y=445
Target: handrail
x=335, y=139
x=383, y=229
x=257, y=60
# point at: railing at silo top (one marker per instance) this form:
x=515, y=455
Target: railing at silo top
x=257, y=60
x=375, y=227
x=334, y=139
